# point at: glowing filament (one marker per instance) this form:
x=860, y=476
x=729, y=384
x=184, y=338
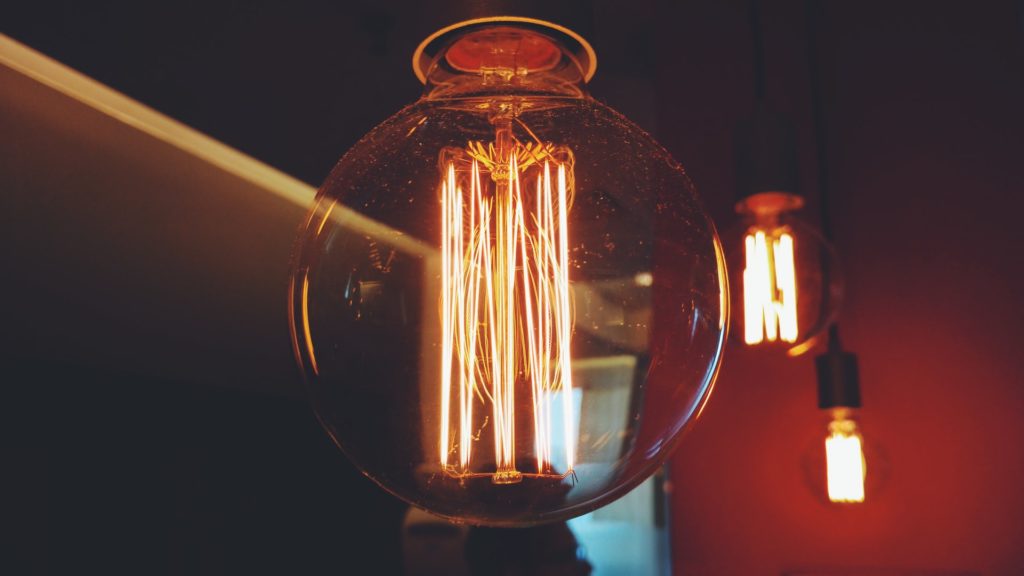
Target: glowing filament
x=505, y=314
x=769, y=289
x=844, y=458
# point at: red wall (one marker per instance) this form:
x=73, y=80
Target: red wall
x=926, y=151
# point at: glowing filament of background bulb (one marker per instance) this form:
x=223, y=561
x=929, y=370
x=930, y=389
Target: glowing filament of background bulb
x=844, y=462
x=505, y=312
x=769, y=289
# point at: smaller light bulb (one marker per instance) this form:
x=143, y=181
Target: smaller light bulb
x=769, y=286
x=844, y=459
x=787, y=284
x=786, y=278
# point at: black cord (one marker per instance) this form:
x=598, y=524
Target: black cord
x=757, y=37
x=813, y=23
x=813, y=9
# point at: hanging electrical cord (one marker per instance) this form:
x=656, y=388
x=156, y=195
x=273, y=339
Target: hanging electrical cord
x=818, y=117
x=837, y=370
x=757, y=37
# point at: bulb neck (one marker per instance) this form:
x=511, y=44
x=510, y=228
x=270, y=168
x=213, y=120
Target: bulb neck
x=843, y=416
x=769, y=205
x=504, y=56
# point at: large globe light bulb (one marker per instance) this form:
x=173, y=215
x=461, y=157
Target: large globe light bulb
x=507, y=302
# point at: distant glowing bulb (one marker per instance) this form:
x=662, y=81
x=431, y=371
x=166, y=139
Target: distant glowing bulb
x=644, y=279
x=788, y=283
x=844, y=460
x=769, y=287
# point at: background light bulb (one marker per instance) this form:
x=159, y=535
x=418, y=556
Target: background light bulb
x=839, y=394
x=845, y=465
x=787, y=285
x=769, y=285
x=507, y=301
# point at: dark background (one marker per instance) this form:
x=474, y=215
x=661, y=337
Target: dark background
x=923, y=104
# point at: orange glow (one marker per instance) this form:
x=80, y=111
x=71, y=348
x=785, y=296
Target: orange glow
x=506, y=317
x=305, y=322
x=844, y=458
x=769, y=288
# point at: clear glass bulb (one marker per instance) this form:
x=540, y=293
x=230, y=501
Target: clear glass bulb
x=787, y=285
x=845, y=465
x=507, y=301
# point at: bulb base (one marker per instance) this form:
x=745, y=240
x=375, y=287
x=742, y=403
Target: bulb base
x=838, y=380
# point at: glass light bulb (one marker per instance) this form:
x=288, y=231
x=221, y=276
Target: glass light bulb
x=845, y=465
x=787, y=285
x=507, y=301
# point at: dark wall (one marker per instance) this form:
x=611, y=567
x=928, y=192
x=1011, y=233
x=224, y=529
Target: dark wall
x=128, y=475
